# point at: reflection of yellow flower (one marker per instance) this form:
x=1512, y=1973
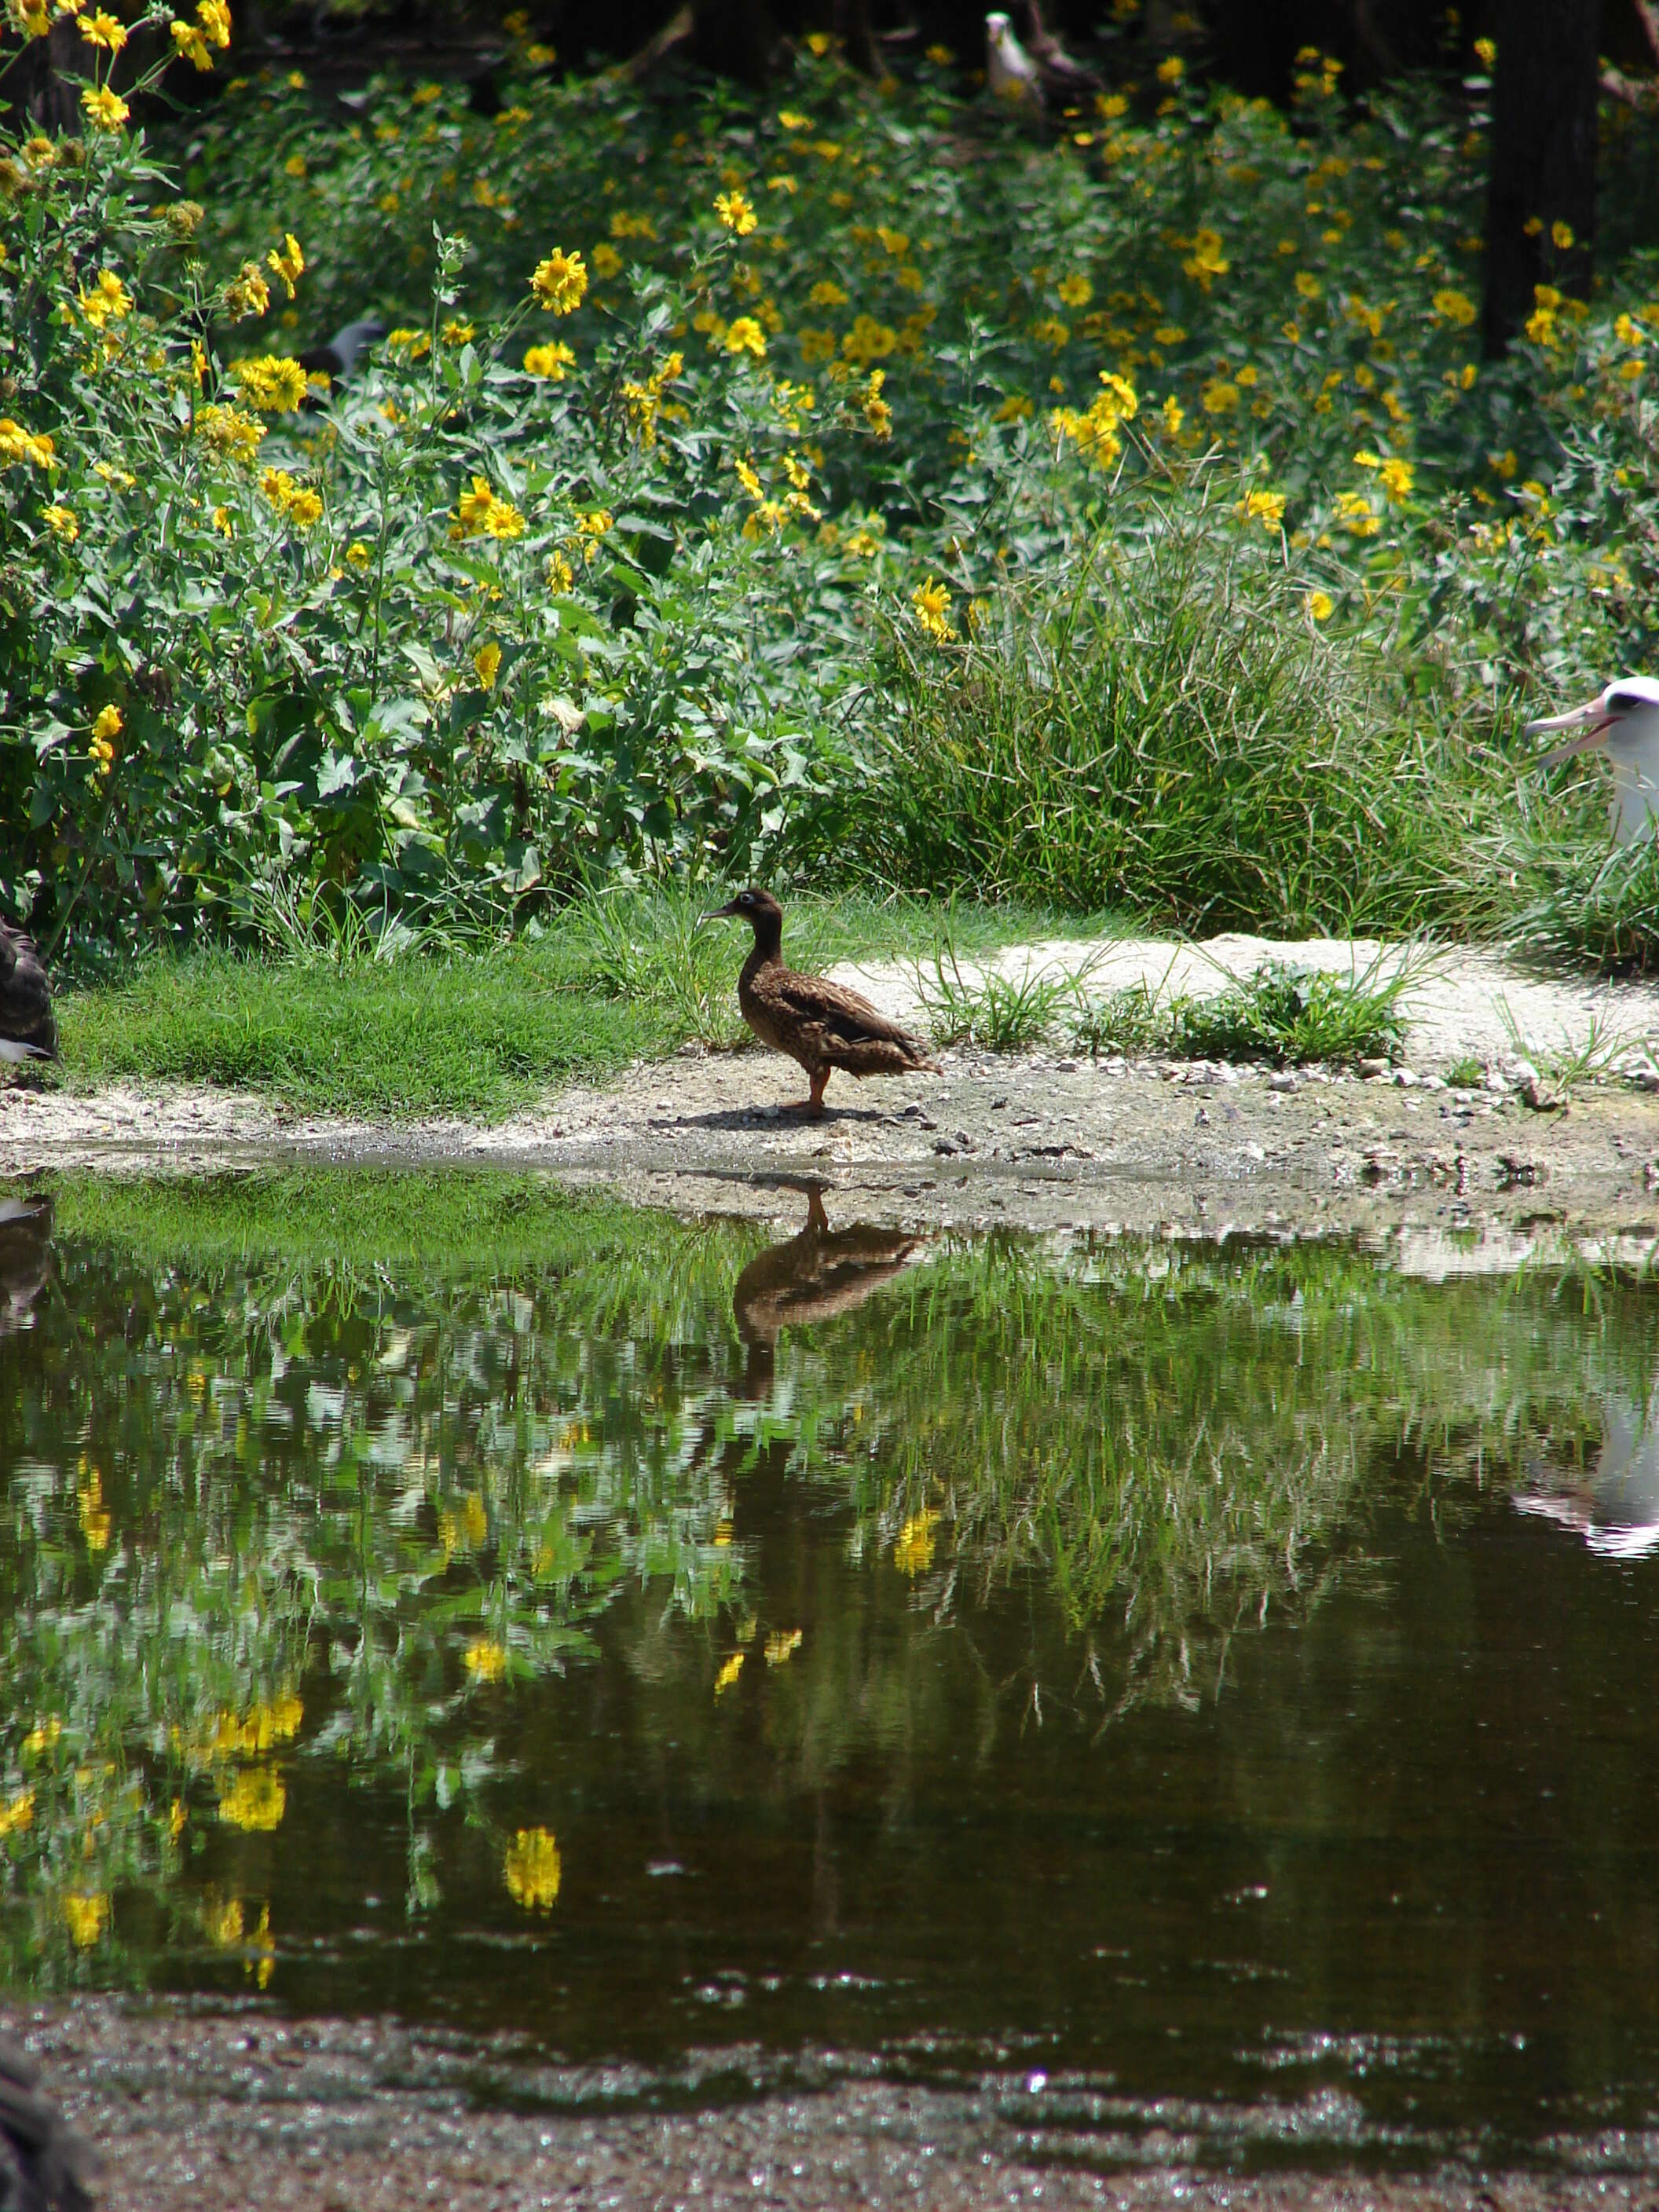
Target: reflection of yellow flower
x=913, y=1554
x=255, y=1801
x=223, y=1923
x=780, y=1646
x=44, y=1736
x=86, y=1918
x=532, y=1869
x=486, y=1662
x=560, y=282
x=19, y=1813
x=728, y=1674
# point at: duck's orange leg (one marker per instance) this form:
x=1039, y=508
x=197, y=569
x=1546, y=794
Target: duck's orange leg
x=813, y=1104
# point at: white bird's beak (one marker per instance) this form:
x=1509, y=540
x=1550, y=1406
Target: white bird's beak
x=1590, y=721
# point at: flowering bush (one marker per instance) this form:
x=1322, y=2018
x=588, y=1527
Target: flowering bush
x=601, y=558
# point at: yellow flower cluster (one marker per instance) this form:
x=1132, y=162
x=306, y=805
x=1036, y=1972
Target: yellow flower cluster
x=644, y=401
x=480, y=513
x=877, y=412
x=1455, y=307
x=486, y=1662
x=1095, y=432
x=104, y=109
x=230, y=432
x=17, y=444
x=549, y=361
x=913, y=1554
x=296, y=502
x=1267, y=507
x=106, y=300
x=254, y=1802
x=18, y=1814
x=247, y=294
x=287, y=263
x=560, y=282
x=744, y=335
x=100, y=747
x=273, y=383
x=1206, y=261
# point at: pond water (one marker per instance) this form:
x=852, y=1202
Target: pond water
x=1208, y=1687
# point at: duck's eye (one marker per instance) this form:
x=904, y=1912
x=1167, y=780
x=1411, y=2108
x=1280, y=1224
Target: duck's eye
x=1623, y=703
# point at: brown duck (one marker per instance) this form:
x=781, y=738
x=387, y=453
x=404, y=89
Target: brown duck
x=26, y=1028
x=821, y=1024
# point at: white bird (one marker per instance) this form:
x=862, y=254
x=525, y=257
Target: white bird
x=1009, y=70
x=1623, y=722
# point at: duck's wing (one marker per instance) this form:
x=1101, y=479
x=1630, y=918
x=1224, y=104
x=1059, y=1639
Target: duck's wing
x=842, y=1025
x=25, y=995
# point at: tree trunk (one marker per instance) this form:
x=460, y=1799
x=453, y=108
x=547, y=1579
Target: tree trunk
x=1543, y=159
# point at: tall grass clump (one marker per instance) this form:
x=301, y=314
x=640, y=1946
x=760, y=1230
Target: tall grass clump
x=1165, y=724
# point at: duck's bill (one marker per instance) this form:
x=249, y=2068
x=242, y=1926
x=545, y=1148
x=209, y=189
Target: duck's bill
x=1589, y=722
x=719, y=912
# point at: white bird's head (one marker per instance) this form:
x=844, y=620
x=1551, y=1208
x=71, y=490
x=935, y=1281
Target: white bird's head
x=1622, y=722
x=998, y=26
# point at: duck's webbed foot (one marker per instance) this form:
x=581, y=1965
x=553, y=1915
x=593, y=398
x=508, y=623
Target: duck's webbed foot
x=813, y=1104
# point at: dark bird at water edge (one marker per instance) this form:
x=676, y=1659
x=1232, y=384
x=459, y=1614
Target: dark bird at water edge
x=27, y=1030
x=822, y=1025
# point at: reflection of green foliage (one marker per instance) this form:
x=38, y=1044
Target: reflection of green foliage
x=312, y=1469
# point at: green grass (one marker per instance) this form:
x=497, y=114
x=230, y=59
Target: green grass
x=1288, y=1016
x=476, y=1033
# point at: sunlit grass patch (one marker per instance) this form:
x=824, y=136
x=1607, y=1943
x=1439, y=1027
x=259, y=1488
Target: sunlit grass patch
x=1286, y=1015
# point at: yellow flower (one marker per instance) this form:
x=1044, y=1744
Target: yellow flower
x=104, y=109
x=1267, y=507
x=247, y=294
x=596, y=523
x=1356, y=514
x=913, y=1554
x=102, y=30
x=43, y=1736
x=255, y=1801
x=61, y=521
x=735, y=212
x=17, y=444
x=826, y=294
x=1307, y=284
x=1455, y=307
x=877, y=412
x=33, y=18
x=782, y=1646
x=488, y=662
x=1320, y=605
x=230, y=432
x=1206, y=261
x=932, y=601
x=728, y=1674
x=746, y=336
x=273, y=383
x=1049, y=330
x=456, y=331
x=559, y=572
x=108, y=726
x=1171, y=71
x=213, y=16
x=532, y=1869
x=869, y=341
x=607, y=262
x=1395, y=478
x=549, y=361
x=1220, y=398
x=188, y=39
x=1174, y=416
x=107, y=300
x=177, y=1816
x=560, y=282
x=19, y=1813
x=940, y=57
x=85, y=1915
x=1561, y=236
x=1486, y=51
x=287, y=263
x=486, y=1662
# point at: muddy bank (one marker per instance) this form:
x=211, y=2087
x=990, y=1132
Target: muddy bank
x=1048, y=1141
x=247, y=2110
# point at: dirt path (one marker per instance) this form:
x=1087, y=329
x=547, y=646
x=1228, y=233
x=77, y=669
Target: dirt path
x=1458, y=1179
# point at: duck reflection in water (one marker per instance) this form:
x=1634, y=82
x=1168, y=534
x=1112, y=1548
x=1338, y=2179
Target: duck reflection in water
x=25, y=1245
x=813, y=1276
x=1616, y=1508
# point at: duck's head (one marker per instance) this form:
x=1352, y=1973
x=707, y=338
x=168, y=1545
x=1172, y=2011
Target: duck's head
x=753, y=905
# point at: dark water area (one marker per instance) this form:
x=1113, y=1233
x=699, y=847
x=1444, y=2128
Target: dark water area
x=1172, y=1687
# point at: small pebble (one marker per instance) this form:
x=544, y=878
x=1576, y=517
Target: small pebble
x=1371, y=1068
x=1283, y=1081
